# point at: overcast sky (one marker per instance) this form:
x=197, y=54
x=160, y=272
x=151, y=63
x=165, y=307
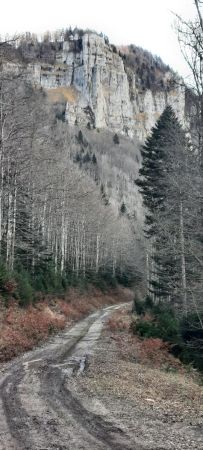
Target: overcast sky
x=147, y=23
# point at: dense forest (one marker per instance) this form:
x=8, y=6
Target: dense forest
x=149, y=70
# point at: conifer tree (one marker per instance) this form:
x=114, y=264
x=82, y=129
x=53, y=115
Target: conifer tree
x=123, y=208
x=154, y=185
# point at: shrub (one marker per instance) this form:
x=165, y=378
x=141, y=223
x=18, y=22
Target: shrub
x=8, y=283
x=185, y=335
x=46, y=280
x=148, y=302
x=146, y=329
x=168, y=325
x=116, y=139
x=10, y=286
x=141, y=306
x=138, y=307
x=151, y=348
x=162, y=324
x=190, y=348
x=24, y=289
x=117, y=324
x=3, y=275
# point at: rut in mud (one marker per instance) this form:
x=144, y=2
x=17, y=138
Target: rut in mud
x=38, y=410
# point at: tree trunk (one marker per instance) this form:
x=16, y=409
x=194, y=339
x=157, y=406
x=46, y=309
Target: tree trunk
x=183, y=265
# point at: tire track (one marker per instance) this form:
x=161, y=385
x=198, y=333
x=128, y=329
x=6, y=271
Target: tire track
x=40, y=410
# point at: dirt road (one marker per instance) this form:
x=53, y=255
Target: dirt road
x=38, y=410
x=78, y=392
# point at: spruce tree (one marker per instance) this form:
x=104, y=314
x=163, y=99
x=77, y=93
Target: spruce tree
x=154, y=185
x=123, y=208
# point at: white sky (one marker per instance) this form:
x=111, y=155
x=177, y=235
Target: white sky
x=147, y=23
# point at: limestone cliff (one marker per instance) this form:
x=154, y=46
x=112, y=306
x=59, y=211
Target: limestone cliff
x=100, y=90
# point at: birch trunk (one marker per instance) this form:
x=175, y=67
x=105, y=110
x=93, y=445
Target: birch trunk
x=183, y=265
x=97, y=253
x=9, y=231
x=14, y=226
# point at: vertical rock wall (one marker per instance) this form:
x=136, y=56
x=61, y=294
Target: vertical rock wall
x=91, y=77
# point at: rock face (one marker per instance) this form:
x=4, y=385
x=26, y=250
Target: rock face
x=90, y=76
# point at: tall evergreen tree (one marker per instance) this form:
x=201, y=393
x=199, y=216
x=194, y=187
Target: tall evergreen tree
x=154, y=185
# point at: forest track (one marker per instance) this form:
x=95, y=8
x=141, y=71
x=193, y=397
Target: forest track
x=39, y=411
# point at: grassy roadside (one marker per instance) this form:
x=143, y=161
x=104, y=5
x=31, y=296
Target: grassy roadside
x=182, y=335
x=23, y=328
x=152, y=352
x=144, y=389
x=161, y=375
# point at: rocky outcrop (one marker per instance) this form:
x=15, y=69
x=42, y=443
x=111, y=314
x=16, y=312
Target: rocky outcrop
x=90, y=76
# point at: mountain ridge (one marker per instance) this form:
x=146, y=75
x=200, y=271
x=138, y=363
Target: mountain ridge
x=98, y=85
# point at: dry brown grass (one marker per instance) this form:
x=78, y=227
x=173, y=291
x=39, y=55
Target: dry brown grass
x=62, y=93
x=141, y=116
x=151, y=352
x=23, y=329
x=118, y=323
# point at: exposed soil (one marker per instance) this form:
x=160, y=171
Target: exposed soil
x=81, y=390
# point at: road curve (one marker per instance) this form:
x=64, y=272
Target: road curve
x=38, y=411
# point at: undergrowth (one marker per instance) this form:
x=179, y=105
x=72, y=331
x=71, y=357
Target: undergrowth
x=26, y=287
x=184, y=334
